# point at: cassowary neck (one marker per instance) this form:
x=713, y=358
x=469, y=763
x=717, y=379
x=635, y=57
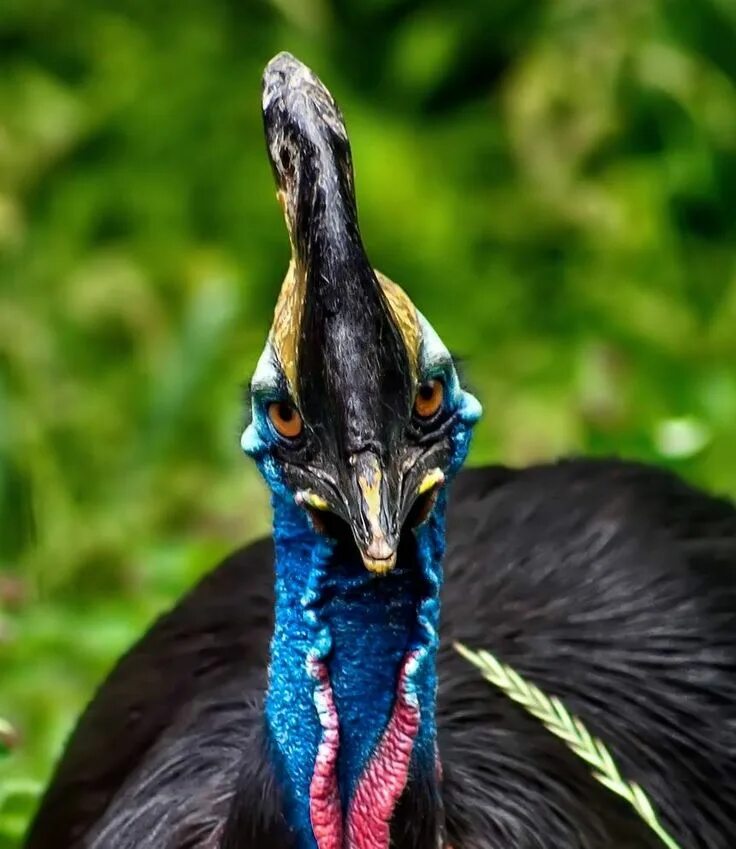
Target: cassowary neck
x=351, y=699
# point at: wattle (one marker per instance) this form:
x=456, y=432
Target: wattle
x=367, y=824
x=385, y=776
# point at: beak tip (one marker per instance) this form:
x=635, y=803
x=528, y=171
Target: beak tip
x=380, y=555
x=379, y=566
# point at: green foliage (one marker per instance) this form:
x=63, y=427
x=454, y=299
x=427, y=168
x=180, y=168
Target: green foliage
x=17, y=795
x=570, y=729
x=554, y=183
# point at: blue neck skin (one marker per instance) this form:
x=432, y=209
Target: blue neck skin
x=328, y=607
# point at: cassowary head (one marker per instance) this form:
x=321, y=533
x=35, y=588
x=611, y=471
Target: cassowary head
x=357, y=410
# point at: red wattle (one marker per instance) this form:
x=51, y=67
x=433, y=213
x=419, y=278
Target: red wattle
x=324, y=797
x=383, y=781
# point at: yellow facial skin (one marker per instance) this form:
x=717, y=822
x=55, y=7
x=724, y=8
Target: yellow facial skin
x=433, y=478
x=405, y=317
x=286, y=320
x=311, y=499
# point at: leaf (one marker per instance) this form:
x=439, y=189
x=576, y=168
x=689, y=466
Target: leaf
x=551, y=711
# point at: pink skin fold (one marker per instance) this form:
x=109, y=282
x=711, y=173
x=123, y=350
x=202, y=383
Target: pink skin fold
x=370, y=811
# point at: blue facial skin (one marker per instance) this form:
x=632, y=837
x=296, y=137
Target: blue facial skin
x=328, y=606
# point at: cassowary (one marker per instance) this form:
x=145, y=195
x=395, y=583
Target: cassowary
x=308, y=694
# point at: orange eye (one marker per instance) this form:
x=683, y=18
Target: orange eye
x=285, y=418
x=429, y=398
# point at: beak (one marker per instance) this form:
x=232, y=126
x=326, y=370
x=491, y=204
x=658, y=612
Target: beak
x=375, y=504
x=374, y=512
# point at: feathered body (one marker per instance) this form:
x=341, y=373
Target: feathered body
x=609, y=584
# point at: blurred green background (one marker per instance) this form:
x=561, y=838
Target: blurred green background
x=554, y=183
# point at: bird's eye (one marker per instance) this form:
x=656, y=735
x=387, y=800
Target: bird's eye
x=430, y=396
x=285, y=418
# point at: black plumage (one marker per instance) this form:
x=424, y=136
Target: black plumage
x=610, y=584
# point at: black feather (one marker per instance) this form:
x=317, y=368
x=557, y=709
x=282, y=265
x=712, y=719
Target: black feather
x=612, y=585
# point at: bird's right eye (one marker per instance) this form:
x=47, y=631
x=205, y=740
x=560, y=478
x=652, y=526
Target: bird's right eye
x=286, y=419
x=429, y=399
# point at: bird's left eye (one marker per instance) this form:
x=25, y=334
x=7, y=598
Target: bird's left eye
x=286, y=419
x=429, y=400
